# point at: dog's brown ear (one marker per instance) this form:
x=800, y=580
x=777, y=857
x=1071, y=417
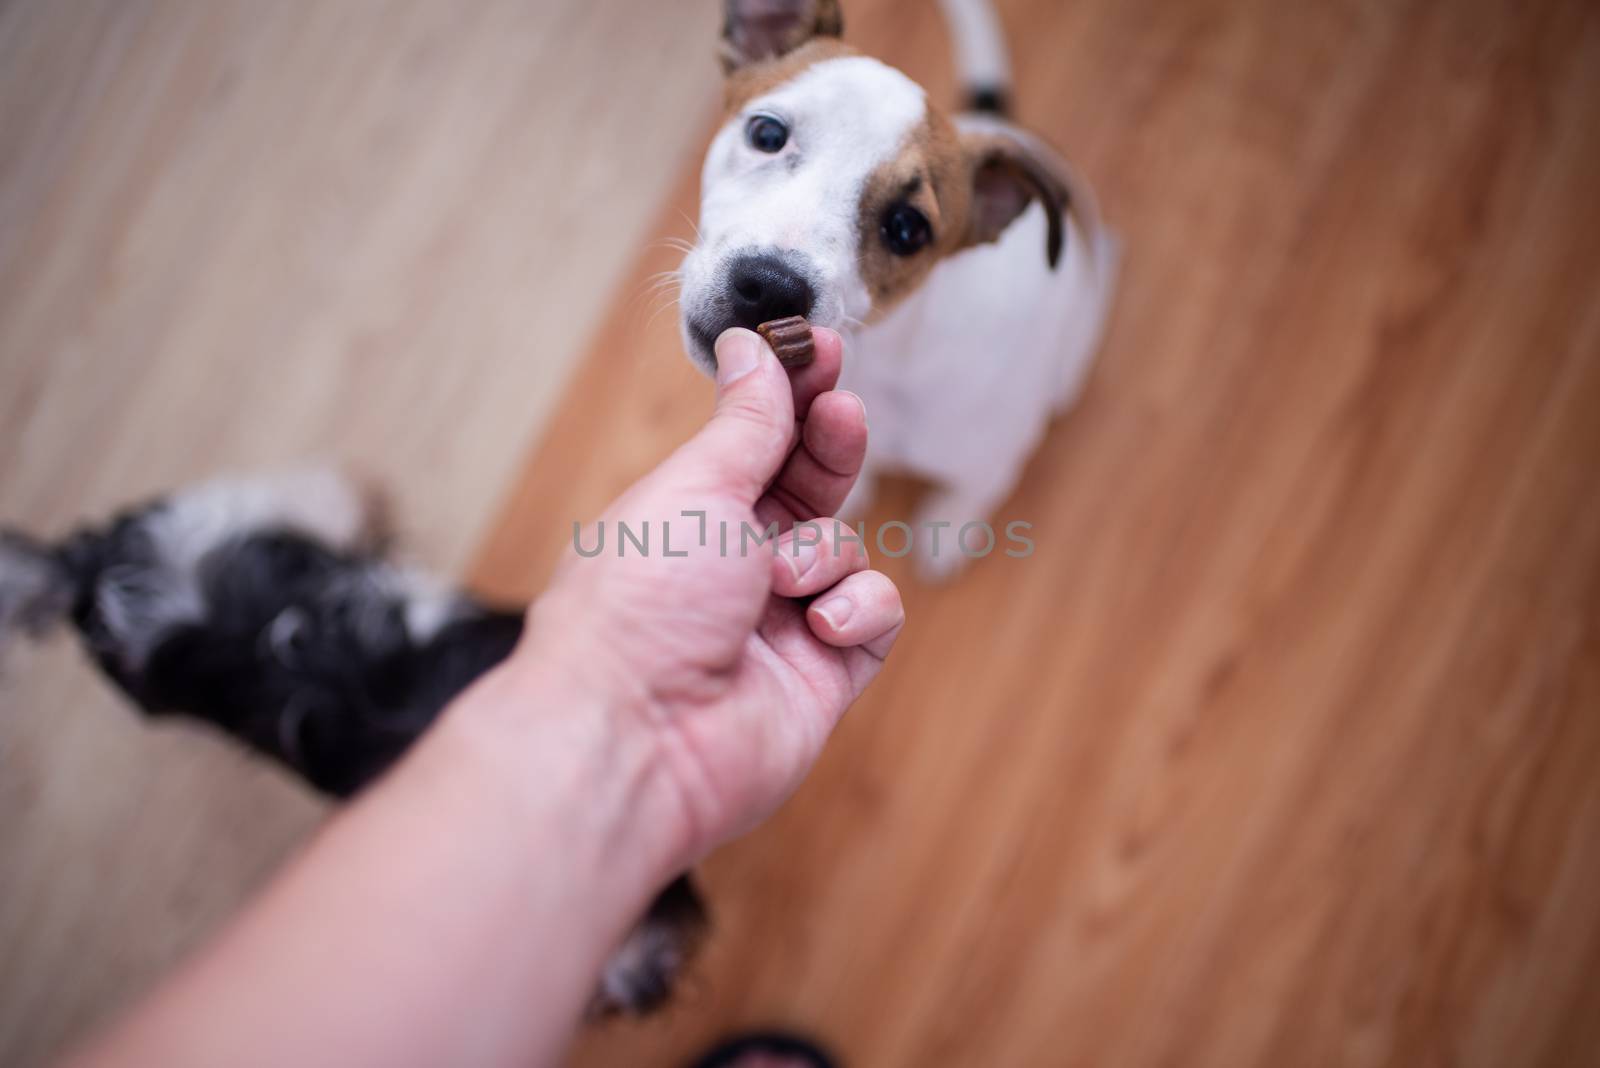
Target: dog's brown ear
x=1008, y=174
x=757, y=30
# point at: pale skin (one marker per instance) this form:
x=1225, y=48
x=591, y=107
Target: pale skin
x=459, y=912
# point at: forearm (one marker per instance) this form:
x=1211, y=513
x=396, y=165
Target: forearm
x=458, y=914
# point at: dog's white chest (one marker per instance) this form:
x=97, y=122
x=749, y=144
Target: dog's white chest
x=966, y=374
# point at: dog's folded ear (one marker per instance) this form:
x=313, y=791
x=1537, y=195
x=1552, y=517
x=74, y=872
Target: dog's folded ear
x=758, y=30
x=1008, y=174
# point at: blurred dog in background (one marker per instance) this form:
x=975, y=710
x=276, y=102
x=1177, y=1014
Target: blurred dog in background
x=267, y=608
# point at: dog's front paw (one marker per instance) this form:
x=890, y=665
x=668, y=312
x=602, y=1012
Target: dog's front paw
x=936, y=567
x=642, y=973
x=939, y=552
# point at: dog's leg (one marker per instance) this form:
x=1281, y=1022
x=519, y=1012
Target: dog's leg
x=940, y=549
x=642, y=973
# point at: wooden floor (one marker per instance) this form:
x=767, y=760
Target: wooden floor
x=1284, y=748
x=238, y=235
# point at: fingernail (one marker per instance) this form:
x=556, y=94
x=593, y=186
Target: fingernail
x=738, y=353
x=801, y=555
x=836, y=610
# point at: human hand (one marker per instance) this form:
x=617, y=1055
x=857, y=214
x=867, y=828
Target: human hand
x=730, y=666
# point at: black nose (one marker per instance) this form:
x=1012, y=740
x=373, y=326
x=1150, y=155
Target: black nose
x=763, y=288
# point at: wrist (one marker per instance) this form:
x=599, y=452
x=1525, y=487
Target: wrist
x=545, y=746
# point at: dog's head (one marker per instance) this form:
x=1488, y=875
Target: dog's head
x=834, y=186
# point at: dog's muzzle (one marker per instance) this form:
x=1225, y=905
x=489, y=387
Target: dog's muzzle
x=753, y=288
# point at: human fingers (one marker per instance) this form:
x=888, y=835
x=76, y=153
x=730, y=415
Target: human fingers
x=818, y=474
x=815, y=556
x=821, y=374
x=863, y=609
x=749, y=435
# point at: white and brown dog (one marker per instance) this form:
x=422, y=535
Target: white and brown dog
x=962, y=258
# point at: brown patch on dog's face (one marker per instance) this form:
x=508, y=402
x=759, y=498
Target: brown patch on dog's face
x=758, y=79
x=929, y=182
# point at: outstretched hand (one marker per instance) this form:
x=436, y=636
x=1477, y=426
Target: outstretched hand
x=659, y=704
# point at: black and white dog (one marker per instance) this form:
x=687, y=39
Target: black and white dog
x=267, y=608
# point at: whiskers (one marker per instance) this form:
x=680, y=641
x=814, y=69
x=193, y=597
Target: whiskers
x=698, y=236
x=663, y=290
x=678, y=243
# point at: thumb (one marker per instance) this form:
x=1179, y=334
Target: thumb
x=750, y=433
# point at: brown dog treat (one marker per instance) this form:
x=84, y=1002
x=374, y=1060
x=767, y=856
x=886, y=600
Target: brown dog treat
x=790, y=340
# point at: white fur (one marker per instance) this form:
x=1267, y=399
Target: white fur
x=430, y=603
x=655, y=951
x=805, y=199
x=142, y=604
x=34, y=593
x=960, y=381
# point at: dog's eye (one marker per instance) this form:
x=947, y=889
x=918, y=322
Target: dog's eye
x=906, y=230
x=766, y=134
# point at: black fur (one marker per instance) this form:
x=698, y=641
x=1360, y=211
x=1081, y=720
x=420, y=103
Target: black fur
x=991, y=99
x=300, y=657
x=302, y=653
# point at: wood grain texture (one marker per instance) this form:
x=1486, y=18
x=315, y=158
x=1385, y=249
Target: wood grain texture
x=1282, y=748
x=239, y=235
